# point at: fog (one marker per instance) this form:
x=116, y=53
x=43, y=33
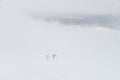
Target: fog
x=60, y=47
x=66, y=7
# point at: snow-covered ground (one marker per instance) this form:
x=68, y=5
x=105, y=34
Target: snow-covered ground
x=36, y=49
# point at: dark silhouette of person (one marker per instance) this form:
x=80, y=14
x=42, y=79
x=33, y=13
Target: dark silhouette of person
x=54, y=56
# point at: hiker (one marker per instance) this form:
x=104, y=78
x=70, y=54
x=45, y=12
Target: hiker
x=47, y=57
x=54, y=56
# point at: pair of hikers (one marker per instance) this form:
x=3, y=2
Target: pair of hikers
x=53, y=56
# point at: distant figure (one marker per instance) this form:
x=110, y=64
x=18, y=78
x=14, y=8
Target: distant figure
x=54, y=56
x=47, y=57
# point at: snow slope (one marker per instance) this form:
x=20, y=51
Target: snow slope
x=82, y=53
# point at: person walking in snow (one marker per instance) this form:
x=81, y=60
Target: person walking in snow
x=47, y=57
x=54, y=56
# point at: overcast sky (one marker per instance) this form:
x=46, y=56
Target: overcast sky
x=66, y=7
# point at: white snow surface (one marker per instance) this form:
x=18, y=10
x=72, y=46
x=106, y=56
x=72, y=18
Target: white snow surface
x=82, y=53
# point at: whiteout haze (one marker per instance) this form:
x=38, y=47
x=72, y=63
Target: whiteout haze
x=37, y=49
